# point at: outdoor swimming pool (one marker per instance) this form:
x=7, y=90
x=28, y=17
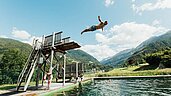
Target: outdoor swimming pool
x=127, y=87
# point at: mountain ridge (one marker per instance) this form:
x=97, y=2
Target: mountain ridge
x=75, y=55
x=151, y=45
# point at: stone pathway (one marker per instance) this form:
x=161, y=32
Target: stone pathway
x=31, y=92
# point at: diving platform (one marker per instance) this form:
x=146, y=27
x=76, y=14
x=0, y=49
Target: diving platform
x=46, y=56
x=61, y=47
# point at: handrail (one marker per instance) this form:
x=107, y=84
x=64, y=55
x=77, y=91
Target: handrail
x=25, y=66
x=23, y=70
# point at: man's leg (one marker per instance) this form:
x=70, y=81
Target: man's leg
x=92, y=28
x=86, y=30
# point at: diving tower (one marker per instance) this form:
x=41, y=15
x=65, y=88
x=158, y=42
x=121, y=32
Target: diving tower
x=46, y=56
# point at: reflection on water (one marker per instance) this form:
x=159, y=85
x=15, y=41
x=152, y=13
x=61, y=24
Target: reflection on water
x=127, y=87
x=134, y=87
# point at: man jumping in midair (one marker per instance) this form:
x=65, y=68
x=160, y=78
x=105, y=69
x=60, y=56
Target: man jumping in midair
x=95, y=27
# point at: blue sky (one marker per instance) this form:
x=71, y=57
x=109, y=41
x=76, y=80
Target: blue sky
x=130, y=22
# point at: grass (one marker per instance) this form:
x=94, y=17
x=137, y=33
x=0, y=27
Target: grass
x=130, y=71
x=7, y=86
x=11, y=86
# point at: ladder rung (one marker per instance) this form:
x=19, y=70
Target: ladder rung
x=27, y=68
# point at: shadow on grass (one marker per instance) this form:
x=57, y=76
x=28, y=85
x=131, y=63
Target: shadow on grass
x=146, y=67
x=11, y=93
x=14, y=92
x=7, y=87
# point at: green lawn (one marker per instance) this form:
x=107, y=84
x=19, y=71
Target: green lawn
x=7, y=86
x=130, y=71
x=11, y=86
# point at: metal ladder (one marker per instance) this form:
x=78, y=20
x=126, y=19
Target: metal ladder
x=27, y=72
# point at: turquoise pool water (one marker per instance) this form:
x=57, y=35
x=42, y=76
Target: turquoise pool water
x=127, y=87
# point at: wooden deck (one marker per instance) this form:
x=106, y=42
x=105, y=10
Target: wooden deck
x=60, y=47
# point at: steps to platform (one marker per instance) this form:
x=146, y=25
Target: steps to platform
x=46, y=50
x=28, y=70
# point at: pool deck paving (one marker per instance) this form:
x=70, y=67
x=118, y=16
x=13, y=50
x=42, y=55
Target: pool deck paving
x=31, y=91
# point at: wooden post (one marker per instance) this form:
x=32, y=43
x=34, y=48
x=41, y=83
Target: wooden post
x=92, y=79
x=40, y=62
x=42, y=78
x=57, y=73
x=37, y=78
x=34, y=41
x=44, y=68
x=52, y=52
x=43, y=40
x=76, y=71
x=51, y=61
x=64, y=69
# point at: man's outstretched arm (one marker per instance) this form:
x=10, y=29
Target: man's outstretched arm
x=99, y=19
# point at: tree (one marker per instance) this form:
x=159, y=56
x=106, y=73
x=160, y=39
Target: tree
x=166, y=59
x=153, y=59
x=11, y=64
x=161, y=57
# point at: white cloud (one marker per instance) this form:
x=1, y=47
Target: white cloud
x=100, y=38
x=3, y=36
x=99, y=51
x=160, y=4
x=24, y=36
x=132, y=33
x=155, y=22
x=109, y=2
x=30, y=40
x=133, y=0
x=20, y=34
x=120, y=37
